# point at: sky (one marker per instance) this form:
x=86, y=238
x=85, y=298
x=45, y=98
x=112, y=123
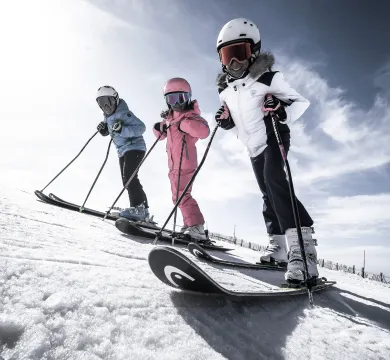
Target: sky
x=334, y=53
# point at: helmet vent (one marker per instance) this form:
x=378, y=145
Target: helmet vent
x=242, y=34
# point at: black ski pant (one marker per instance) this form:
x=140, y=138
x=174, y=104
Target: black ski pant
x=272, y=179
x=128, y=163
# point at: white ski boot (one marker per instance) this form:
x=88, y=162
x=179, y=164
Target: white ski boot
x=183, y=228
x=295, y=267
x=196, y=232
x=275, y=251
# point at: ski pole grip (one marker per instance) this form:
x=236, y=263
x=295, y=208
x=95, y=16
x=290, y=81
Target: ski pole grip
x=263, y=108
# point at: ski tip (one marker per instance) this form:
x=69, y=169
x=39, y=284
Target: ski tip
x=41, y=196
x=198, y=251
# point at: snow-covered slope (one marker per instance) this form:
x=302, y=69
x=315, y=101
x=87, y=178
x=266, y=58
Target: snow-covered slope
x=73, y=287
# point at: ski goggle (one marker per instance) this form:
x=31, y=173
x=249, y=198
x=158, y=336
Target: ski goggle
x=107, y=104
x=177, y=98
x=238, y=51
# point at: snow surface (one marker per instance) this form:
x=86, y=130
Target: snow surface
x=73, y=287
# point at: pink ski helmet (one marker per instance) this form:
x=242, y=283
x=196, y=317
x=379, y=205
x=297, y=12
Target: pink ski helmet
x=177, y=85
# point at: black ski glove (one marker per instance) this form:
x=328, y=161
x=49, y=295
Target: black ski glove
x=271, y=103
x=164, y=114
x=223, y=118
x=103, y=128
x=162, y=129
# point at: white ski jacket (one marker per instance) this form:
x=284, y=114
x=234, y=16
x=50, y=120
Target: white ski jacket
x=244, y=98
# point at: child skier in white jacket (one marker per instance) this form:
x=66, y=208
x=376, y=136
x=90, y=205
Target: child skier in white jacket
x=246, y=79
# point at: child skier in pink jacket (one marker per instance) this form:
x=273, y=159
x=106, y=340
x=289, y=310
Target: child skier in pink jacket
x=182, y=127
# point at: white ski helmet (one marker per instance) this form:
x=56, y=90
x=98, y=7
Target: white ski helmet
x=107, y=91
x=237, y=30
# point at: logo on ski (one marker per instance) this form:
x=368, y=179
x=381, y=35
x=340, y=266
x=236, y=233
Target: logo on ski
x=198, y=253
x=177, y=273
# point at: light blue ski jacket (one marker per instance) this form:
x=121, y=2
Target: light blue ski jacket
x=130, y=136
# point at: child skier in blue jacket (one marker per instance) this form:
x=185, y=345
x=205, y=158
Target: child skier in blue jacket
x=126, y=132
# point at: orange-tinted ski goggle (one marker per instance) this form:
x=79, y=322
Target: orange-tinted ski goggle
x=238, y=51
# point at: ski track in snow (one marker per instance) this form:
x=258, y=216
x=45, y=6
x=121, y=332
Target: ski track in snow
x=73, y=287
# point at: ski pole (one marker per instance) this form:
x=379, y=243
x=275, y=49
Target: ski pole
x=178, y=187
x=132, y=176
x=97, y=176
x=293, y=203
x=159, y=233
x=70, y=162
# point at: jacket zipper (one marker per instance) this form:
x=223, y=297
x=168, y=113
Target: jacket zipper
x=241, y=113
x=170, y=152
x=186, y=147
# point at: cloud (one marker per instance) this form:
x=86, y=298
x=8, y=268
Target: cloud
x=350, y=217
x=344, y=138
x=382, y=79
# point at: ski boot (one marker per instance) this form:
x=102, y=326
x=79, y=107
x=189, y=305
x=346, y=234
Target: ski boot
x=276, y=251
x=196, y=232
x=137, y=213
x=183, y=228
x=116, y=210
x=295, y=267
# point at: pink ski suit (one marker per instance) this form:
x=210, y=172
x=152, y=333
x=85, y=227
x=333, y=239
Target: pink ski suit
x=186, y=126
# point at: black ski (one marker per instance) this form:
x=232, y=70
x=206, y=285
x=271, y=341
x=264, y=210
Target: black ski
x=53, y=200
x=41, y=196
x=86, y=210
x=173, y=268
x=131, y=228
x=144, y=224
x=201, y=253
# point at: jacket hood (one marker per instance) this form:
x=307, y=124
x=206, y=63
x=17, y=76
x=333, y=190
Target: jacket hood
x=122, y=106
x=262, y=64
